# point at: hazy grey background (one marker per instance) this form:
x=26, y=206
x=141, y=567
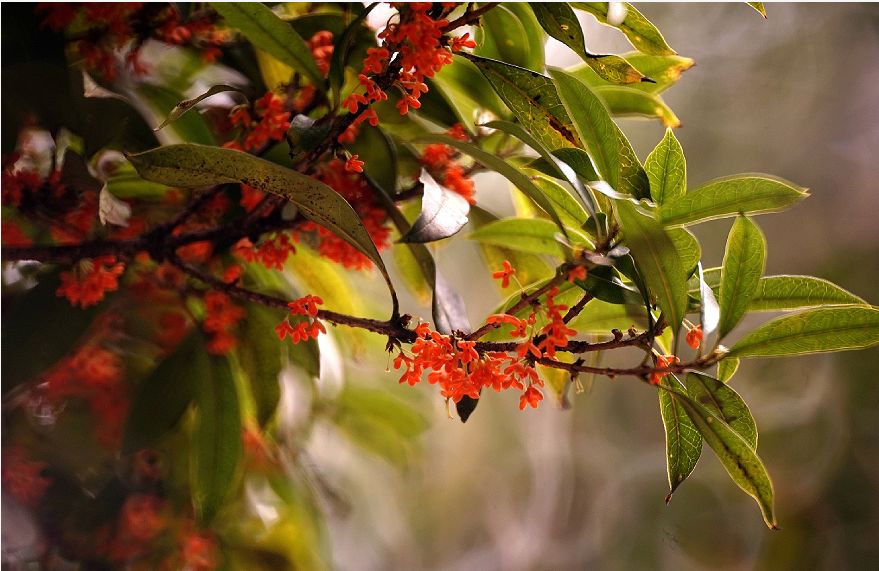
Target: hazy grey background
x=797, y=96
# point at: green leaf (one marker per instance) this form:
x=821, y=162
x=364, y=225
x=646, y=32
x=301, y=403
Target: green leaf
x=688, y=248
x=724, y=402
x=727, y=368
x=341, y=52
x=533, y=99
x=743, y=265
x=497, y=164
x=683, y=443
x=188, y=104
x=628, y=102
x=728, y=196
x=196, y=165
x=163, y=397
x=561, y=23
x=665, y=71
x=819, y=330
x=735, y=454
x=570, y=211
x=641, y=33
x=502, y=35
x=577, y=159
x=658, y=261
x=268, y=32
x=666, y=169
x=599, y=317
x=443, y=213
x=216, y=439
x=536, y=236
x=192, y=128
x=379, y=154
x=759, y=7
x=610, y=150
x=775, y=293
x=604, y=283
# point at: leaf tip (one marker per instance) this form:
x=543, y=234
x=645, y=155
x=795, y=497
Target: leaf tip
x=668, y=498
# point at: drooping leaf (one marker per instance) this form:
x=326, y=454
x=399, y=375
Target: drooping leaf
x=607, y=145
x=683, y=443
x=666, y=169
x=216, y=439
x=533, y=99
x=665, y=71
x=735, y=454
x=761, y=9
x=641, y=33
x=658, y=261
x=443, y=213
x=265, y=30
x=821, y=330
x=188, y=104
x=743, y=265
x=627, y=102
x=560, y=22
x=745, y=193
x=724, y=402
x=502, y=167
x=537, y=236
x=191, y=128
x=196, y=165
x=163, y=397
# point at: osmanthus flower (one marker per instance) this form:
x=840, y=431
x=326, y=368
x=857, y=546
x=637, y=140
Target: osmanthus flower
x=268, y=122
x=221, y=318
x=24, y=478
x=694, y=336
x=439, y=160
x=90, y=280
x=662, y=362
x=504, y=274
x=302, y=330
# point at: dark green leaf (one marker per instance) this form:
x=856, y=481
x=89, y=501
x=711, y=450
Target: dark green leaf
x=188, y=104
x=728, y=196
x=743, y=265
x=725, y=403
x=820, y=330
x=379, y=155
x=608, y=147
x=735, y=454
x=657, y=259
x=305, y=134
x=642, y=34
x=666, y=168
x=683, y=443
x=604, y=284
x=341, y=51
x=216, y=439
x=191, y=128
x=443, y=213
x=163, y=397
x=268, y=32
x=196, y=165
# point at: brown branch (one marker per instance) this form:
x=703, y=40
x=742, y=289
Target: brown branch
x=470, y=16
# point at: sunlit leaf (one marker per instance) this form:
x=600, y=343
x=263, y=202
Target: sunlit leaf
x=658, y=261
x=642, y=34
x=743, y=265
x=735, y=454
x=502, y=35
x=759, y=7
x=688, y=248
x=577, y=159
x=727, y=368
x=626, y=102
x=267, y=31
x=216, y=439
x=666, y=169
x=665, y=71
x=537, y=236
x=196, y=165
x=683, y=443
x=776, y=293
x=723, y=401
x=745, y=193
x=819, y=330
x=570, y=211
x=443, y=213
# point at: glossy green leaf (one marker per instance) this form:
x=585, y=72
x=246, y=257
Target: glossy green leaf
x=499, y=165
x=443, y=213
x=502, y=35
x=216, y=439
x=666, y=169
x=534, y=33
x=776, y=293
x=533, y=99
x=607, y=145
x=163, y=397
x=577, y=159
x=627, y=102
x=196, y=165
x=665, y=71
x=821, y=330
x=724, y=402
x=570, y=211
x=683, y=443
x=761, y=9
x=658, y=261
x=641, y=33
x=743, y=265
x=727, y=368
x=379, y=154
x=560, y=22
x=265, y=30
x=537, y=236
x=745, y=193
x=604, y=283
x=600, y=317
x=184, y=106
x=735, y=454
x=688, y=248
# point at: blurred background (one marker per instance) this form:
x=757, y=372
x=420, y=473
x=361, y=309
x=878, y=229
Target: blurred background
x=797, y=96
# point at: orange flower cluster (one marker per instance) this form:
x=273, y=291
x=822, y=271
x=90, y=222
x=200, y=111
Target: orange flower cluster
x=90, y=280
x=272, y=250
x=95, y=376
x=23, y=478
x=141, y=520
x=460, y=371
x=220, y=320
x=440, y=162
x=662, y=362
x=418, y=39
x=321, y=46
x=269, y=122
x=694, y=337
x=303, y=329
